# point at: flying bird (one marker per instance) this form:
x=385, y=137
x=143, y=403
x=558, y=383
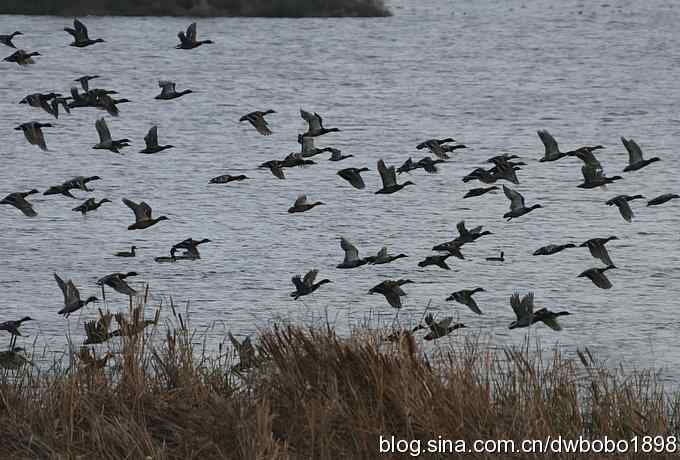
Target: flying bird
x=257, y=120
x=19, y=201
x=188, y=41
x=33, y=133
x=143, y=217
x=81, y=39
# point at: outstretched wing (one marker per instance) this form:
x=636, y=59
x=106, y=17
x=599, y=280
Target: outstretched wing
x=351, y=252
x=310, y=277
x=62, y=286
x=388, y=175
x=516, y=199
x=167, y=87
x=191, y=32
x=301, y=200
x=461, y=228
x=551, y=148
x=312, y=119
x=151, y=139
x=353, y=177
x=142, y=210
x=102, y=130
x=634, y=151
x=81, y=30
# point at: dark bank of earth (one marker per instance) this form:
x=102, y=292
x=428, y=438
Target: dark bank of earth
x=260, y=8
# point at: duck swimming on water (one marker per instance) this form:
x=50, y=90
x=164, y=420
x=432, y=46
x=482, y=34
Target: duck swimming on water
x=151, y=141
x=301, y=205
x=256, y=119
x=7, y=39
x=80, y=36
x=188, y=41
x=130, y=253
x=168, y=90
x=19, y=201
x=143, y=217
x=635, y=159
x=33, y=133
x=500, y=258
x=389, y=179
x=90, y=205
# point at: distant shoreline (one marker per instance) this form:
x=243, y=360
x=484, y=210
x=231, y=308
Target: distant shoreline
x=200, y=8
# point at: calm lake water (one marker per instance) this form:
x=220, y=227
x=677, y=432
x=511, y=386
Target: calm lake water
x=488, y=73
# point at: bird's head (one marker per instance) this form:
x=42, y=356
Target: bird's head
x=363, y=170
x=16, y=33
x=408, y=182
x=204, y=240
x=91, y=299
x=162, y=218
x=26, y=318
x=269, y=111
x=105, y=200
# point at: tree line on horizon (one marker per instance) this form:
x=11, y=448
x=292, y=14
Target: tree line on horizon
x=248, y=8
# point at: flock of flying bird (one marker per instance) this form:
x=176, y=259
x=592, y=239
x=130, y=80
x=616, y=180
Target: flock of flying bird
x=502, y=167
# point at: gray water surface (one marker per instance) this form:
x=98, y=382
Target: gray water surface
x=488, y=73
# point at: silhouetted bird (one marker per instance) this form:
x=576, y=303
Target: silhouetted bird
x=635, y=159
x=81, y=38
x=151, y=141
x=257, y=120
x=18, y=200
x=307, y=285
x=188, y=40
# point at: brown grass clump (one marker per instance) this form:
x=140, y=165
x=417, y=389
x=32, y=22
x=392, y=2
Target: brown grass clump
x=310, y=394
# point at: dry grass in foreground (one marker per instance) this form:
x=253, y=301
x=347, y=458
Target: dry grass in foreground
x=313, y=395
